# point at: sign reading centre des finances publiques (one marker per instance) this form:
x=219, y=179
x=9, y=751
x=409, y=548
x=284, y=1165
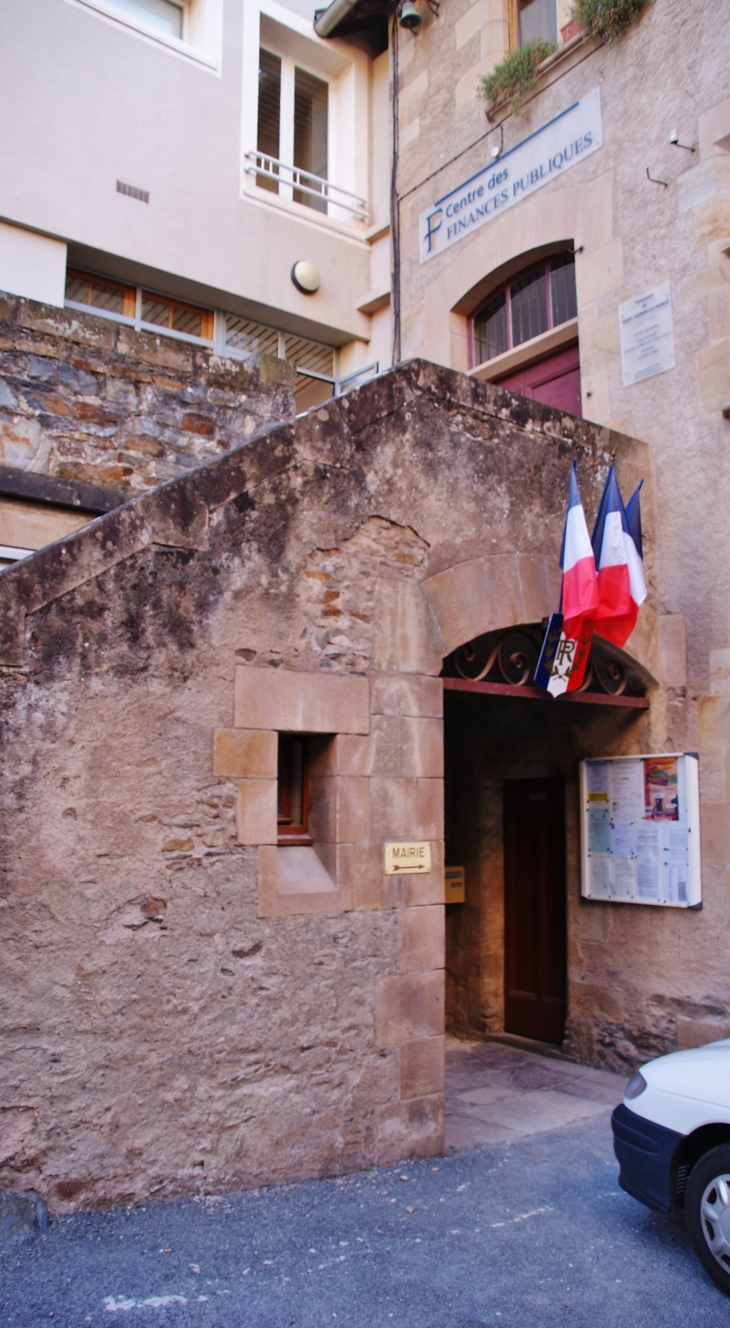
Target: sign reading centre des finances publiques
x=567, y=139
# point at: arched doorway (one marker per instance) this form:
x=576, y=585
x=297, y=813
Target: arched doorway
x=511, y=804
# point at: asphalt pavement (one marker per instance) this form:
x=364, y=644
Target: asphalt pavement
x=527, y=1232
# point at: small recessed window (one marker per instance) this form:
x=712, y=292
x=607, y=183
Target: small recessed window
x=162, y=14
x=293, y=791
x=535, y=301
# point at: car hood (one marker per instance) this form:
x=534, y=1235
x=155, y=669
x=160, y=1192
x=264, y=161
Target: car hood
x=701, y=1074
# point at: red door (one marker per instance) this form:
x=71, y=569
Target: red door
x=535, y=945
x=554, y=381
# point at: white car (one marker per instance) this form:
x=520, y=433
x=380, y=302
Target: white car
x=671, y=1136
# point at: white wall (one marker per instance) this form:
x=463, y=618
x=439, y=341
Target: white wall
x=32, y=265
x=101, y=101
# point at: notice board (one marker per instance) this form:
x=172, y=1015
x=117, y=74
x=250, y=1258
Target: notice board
x=640, y=830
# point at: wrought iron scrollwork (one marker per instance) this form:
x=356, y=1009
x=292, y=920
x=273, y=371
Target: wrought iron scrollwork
x=511, y=657
x=610, y=675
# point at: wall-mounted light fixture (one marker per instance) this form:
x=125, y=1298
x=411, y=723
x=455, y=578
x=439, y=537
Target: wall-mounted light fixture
x=409, y=16
x=498, y=148
x=674, y=139
x=305, y=277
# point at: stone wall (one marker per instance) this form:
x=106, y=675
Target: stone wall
x=185, y=1008
x=630, y=234
x=84, y=398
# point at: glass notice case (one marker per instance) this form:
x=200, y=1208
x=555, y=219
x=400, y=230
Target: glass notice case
x=640, y=830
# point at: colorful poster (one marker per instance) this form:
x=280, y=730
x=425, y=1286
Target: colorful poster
x=661, y=802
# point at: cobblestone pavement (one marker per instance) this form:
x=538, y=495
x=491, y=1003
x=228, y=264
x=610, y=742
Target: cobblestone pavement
x=530, y=1228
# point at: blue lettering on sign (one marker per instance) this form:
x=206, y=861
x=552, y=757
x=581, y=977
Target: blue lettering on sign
x=433, y=225
x=489, y=205
x=543, y=155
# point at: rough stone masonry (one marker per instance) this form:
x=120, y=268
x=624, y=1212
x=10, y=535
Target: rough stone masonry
x=86, y=399
x=184, y=1007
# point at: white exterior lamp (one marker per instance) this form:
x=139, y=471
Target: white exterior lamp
x=305, y=277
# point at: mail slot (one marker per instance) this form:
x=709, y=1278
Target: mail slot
x=455, y=885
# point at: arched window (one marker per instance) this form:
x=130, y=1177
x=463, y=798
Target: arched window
x=535, y=310
x=531, y=303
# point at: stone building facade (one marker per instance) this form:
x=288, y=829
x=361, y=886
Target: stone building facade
x=188, y=1005
x=646, y=210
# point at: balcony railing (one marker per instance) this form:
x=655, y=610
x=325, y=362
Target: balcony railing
x=304, y=182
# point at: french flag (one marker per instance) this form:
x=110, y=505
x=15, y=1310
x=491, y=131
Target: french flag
x=579, y=592
x=618, y=553
x=567, y=644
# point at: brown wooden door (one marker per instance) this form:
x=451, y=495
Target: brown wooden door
x=554, y=381
x=534, y=908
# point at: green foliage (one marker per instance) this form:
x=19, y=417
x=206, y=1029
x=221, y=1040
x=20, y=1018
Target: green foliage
x=516, y=75
x=607, y=19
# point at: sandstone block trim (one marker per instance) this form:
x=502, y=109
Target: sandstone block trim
x=301, y=702
x=244, y=754
x=256, y=811
x=408, y=695
x=714, y=721
x=483, y=594
x=415, y=806
x=291, y=893
x=364, y=788
x=414, y=1128
x=409, y=1007
x=421, y=938
x=421, y=1068
x=407, y=638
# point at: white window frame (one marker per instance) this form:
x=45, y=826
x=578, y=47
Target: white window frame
x=286, y=112
x=269, y=25
x=202, y=37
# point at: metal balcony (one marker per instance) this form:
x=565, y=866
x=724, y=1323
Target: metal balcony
x=304, y=182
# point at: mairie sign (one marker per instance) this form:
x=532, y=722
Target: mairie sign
x=547, y=153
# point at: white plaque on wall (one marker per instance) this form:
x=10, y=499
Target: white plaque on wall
x=647, y=335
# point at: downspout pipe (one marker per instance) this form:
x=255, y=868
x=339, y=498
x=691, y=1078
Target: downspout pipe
x=333, y=16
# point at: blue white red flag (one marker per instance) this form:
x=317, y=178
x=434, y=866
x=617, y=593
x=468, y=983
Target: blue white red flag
x=618, y=553
x=563, y=659
x=633, y=516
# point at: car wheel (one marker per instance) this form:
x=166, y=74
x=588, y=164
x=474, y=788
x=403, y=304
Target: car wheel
x=707, y=1206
